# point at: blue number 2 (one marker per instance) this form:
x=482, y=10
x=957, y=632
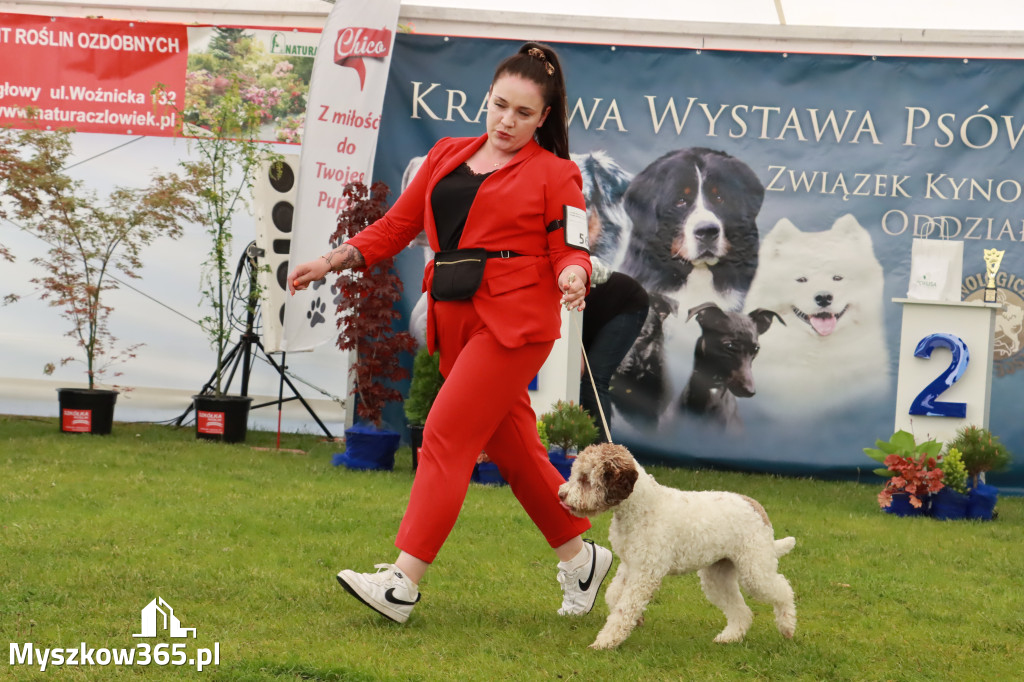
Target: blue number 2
x=925, y=403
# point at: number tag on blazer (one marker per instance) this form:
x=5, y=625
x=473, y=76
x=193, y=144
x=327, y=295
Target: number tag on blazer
x=576, y=233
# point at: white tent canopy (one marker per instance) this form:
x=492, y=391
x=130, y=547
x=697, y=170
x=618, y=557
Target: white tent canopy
x=980, y=15
x=1001, y=15
x=983, y=28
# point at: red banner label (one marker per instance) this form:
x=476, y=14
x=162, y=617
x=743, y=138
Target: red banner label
x=93, y=75
x=76, y=421
x=210, y=422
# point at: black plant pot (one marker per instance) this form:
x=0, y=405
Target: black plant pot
x=224, y=418
x=415, y=442
x=86, y=410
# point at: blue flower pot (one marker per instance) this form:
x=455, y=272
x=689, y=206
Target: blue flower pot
x=949, y=505
x=901, y=506
x=368, y=448
x=981, y=502
x=488, y=474
x=560, y=461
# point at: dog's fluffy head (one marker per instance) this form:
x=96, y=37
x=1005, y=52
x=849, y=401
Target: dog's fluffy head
x=694, y=207
x=602, y=476
x=821, y=282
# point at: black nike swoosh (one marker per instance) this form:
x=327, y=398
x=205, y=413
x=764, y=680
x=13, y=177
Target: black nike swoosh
x=593, y=566
x=390, y=596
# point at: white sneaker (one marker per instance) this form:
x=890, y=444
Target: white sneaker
x=580, y=587
x=388, y=591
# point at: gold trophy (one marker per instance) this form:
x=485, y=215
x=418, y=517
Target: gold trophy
x=993, y=257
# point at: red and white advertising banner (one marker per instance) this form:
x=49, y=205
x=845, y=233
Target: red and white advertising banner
x=93, y=75
x=346, y=95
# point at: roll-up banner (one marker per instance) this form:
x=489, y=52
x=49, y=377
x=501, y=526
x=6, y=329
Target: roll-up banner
x=343, y=118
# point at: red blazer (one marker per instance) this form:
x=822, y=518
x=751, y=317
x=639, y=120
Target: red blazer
x=519, y=298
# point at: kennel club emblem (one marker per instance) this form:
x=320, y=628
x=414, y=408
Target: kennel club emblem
x=1008, y=347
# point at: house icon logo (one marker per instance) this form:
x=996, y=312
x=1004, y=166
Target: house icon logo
x=158, y=614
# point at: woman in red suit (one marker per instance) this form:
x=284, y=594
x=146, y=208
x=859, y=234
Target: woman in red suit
x=497, y=203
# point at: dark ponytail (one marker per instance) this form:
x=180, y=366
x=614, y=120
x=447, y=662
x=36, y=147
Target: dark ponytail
x=539, y=63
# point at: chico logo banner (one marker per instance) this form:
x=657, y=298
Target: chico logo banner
x=342, y=122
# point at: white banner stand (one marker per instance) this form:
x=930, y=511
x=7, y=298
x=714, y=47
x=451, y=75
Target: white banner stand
x=973, y=324
x=559, y=377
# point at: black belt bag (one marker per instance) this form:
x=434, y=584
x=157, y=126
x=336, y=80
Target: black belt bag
x=458, y=273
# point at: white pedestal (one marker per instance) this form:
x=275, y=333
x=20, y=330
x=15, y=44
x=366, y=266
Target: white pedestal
x=559, y=378
x=973, y=322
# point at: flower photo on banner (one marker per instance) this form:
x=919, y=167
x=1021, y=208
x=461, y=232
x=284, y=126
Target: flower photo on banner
x=274, y=75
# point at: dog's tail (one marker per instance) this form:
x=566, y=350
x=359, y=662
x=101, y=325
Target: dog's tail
x=783, y=546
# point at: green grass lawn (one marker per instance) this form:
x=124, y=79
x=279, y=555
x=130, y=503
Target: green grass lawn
x=244, y=544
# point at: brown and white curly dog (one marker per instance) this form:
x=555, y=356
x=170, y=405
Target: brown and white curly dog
x=657, y=531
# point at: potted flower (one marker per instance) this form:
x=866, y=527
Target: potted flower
x=226, y=158
x=912, y=471
x=542, y=432
x=951, y=501
x=366, y=315
x=569, y=428
x=981, y=452
x=90, y=239
x=486, y=471
x=423, y=387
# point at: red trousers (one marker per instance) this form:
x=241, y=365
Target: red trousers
x=483, y=405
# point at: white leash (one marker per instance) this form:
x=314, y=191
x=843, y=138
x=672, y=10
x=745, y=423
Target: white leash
x=586, y=362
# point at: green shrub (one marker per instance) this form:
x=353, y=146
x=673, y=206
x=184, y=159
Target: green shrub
x=981, y=451
x=542, y=431
x=953, y=470
x=569, y=425
x=423, y=387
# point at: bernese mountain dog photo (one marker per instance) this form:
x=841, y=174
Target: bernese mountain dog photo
x=694, y=240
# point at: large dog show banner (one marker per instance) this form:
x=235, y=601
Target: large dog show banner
x=782, y=188
x=767, y=201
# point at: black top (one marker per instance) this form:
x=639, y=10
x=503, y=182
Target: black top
x=619, y=294
x=452, y=198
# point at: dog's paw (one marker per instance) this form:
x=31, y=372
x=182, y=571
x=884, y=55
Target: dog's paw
x=787, y=630
x=607, y=640
x=729, y=636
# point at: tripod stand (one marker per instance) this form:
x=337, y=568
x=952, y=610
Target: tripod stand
x=244, y=352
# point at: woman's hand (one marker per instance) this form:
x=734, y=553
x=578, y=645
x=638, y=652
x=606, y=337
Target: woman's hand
x=572, y=282
x=345, y=256
x=304, y=273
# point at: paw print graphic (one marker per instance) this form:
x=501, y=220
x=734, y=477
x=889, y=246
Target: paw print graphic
x=316, y=313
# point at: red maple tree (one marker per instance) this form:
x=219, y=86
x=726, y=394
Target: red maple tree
x=367, y=309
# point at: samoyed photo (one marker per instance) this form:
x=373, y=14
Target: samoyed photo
x=831, y=354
